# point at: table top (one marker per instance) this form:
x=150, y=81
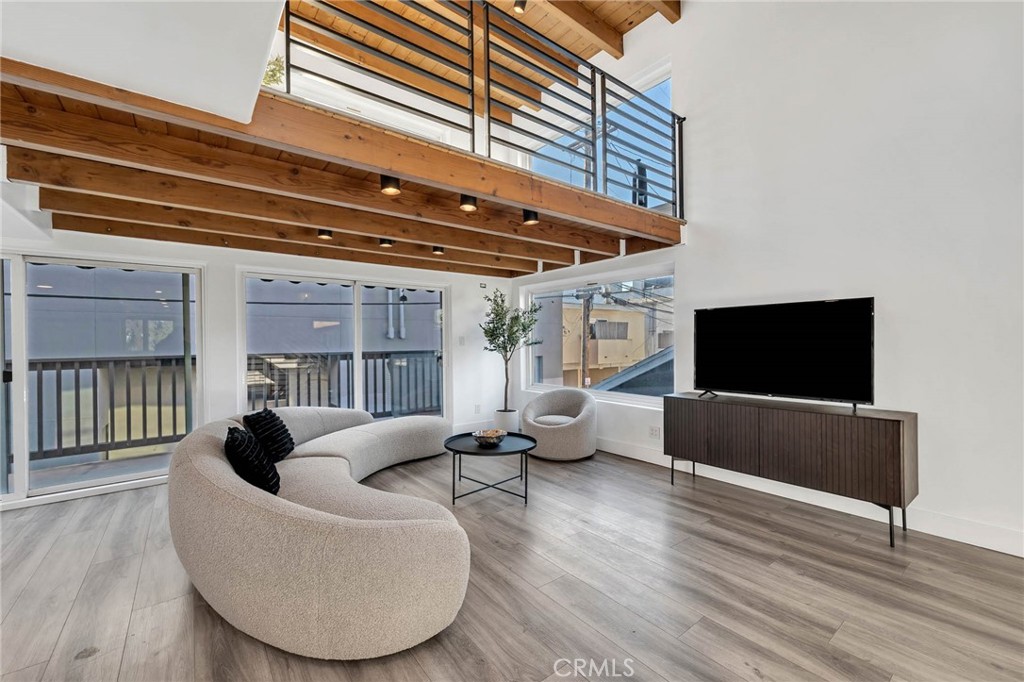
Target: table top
x=514, y=443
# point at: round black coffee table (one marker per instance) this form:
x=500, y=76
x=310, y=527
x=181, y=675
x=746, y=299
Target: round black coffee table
x=513, y=444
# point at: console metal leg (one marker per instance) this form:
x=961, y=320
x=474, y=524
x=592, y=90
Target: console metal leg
x=892, y=530
x=903, y=513
x=693, y=469
x=672, y=476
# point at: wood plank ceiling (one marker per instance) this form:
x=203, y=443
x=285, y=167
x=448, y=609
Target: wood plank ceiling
x=118, y=163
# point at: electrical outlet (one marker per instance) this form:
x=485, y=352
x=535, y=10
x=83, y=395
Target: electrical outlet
x=483, y=285
x=654, y=432
x=476, y=409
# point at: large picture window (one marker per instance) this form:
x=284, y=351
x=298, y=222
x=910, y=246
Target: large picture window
x=616, y=337
x=344, y=344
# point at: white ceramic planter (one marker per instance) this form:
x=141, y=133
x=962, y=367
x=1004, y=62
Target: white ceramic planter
x=507, y=421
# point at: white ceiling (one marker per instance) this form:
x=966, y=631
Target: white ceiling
x=205, y=55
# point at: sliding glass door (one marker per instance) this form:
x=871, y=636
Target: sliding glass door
x=6, y=434
x=344, y=344
x=402, y=343
x=300, y=342
x=111, y=371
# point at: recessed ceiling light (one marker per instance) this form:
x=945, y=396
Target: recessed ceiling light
x=519, y=6
x=390, y=185
x=326, y=235
x=467, y=203
x=387, y=243
x=530, y=217
x=438, y=251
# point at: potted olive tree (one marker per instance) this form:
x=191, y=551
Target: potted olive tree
x=506, y=330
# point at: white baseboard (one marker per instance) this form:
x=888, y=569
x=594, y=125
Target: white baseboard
x=997, y=538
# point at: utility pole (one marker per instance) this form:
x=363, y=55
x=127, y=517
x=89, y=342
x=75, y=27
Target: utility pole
x=588, y=304
x=586, y=296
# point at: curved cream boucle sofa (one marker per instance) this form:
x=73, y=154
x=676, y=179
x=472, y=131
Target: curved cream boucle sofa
x=328, y=568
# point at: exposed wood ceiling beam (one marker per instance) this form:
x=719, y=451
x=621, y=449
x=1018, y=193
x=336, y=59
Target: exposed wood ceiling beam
x=60, y=132
x=296, y=127
x=93, y=177
x=186, y=236
x=582, y=21
x=670, y=9
x=93, y=206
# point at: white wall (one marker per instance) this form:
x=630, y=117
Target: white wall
x=174, y=51
x=864, y=149
x=476, y=376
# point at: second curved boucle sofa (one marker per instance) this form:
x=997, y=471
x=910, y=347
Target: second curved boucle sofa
x=328, y=568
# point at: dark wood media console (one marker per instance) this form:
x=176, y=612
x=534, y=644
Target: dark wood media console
x=869, y=455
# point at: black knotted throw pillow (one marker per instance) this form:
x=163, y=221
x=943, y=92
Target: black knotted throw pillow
x=249, y=460
x=271, y=432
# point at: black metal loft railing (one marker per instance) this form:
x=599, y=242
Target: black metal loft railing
x=395, y=383
x=495, y=86
x=427, y=73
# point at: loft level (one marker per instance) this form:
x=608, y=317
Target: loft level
x=514, y=88
x=120, y=163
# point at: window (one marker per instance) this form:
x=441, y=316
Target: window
x=111, y=371
x=610, y=330
x=640, y=155
x=6, y=433
x=306, y=338
x=402, y=361
x=300, y=339
x=628, y=347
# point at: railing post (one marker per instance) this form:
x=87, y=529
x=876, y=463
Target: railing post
x=592, y=178
x=287, y=47
x=604, y=134
x=680, y=212
x=487, y=78
x=472, y=77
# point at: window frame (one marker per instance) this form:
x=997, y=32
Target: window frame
x=20, y=495
x=526, y=295
x=243, y=273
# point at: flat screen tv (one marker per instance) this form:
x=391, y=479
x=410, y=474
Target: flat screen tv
x=820, y=350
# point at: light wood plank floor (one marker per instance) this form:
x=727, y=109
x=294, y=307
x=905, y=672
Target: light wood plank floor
x=607, y=563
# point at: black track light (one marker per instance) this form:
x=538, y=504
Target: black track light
x=326, y=235
x=390, y=186
x=467, y=203
x=387, y=243
x=530, y=217
x=519, y=6
x=438, y=251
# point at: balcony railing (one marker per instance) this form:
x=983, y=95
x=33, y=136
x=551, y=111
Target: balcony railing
x=478, y=79
x=101, y=405
x=395, y=383
x=98, y=406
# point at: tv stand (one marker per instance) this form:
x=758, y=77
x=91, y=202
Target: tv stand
x=870, y=455
x=710, y=393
